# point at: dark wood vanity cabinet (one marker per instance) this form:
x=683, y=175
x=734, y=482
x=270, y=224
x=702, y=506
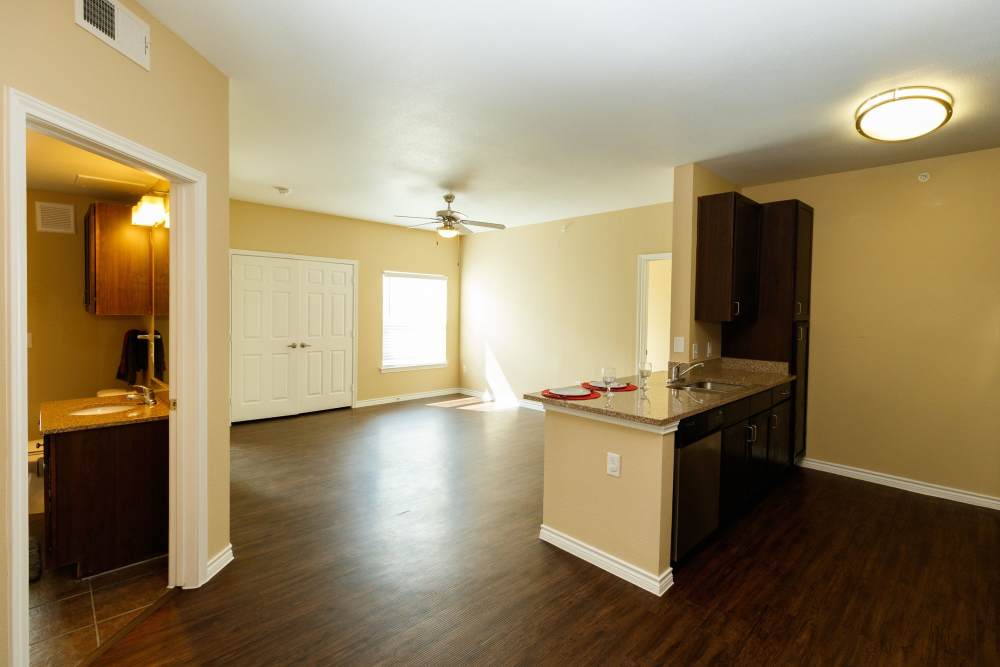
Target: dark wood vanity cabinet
x=119, y=263
x=726, y=264
x=800, y=367
x=106, y=496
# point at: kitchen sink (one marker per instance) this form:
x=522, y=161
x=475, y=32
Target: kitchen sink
x=708, y=385
x=101, y=410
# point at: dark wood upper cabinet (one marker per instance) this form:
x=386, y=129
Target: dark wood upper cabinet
x=784, y=285
x=119, y=266
x=726, y=271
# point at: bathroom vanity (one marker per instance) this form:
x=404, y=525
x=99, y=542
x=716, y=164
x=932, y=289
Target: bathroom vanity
x=106, y=482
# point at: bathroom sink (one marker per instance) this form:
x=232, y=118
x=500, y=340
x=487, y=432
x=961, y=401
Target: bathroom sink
x=101, y=410
x=708, y=385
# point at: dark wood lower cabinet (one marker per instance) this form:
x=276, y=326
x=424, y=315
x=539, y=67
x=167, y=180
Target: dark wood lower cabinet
x=779, y=438
x=800, y=367
x=106, y=496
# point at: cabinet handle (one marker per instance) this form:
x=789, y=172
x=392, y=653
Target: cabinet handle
x=752, y=436
x=785, y=394
x=798, y=307
x=774, y=421
x=736, y=304
x=801, y=334
x=292, y=345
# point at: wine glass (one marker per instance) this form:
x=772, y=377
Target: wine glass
x=608, y=375
x=645, y=370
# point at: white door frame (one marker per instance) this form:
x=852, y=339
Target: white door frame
x=641, y=307
x=310, y=258
x=188, y=358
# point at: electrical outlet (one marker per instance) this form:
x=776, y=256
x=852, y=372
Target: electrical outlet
x=678, y=343
x=614, y=464
x=694, y=350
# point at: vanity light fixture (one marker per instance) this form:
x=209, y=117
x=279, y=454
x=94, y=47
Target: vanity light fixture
x=903, y=113
x=150, y=212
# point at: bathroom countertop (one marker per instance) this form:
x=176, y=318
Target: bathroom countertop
x=55, y=417
x=663, y=406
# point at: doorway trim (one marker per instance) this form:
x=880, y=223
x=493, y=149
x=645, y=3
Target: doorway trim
x=642, y=308
x=309, y=258
x=188, y=356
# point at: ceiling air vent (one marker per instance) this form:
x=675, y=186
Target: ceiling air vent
x=112, y=23
x=56, y=218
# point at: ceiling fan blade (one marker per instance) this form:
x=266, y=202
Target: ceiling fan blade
x=462, y=229
x=416, y=217
x=422, y=224
x=480, y=223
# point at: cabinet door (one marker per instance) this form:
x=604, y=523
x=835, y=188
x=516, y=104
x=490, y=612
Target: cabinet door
x=746, y=255
x=803, y=261
x=326, y=357
x=800, y=367
x=728, y=242
x=735, y=476
x=758, y=467
x=779, y=438
x=121, y=270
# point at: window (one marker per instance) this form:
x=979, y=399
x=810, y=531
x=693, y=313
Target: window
x=414, y=320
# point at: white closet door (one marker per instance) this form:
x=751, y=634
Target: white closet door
x=266, y=296
x=326, y=353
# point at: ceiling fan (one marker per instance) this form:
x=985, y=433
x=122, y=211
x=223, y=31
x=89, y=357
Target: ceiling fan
x=452, y=222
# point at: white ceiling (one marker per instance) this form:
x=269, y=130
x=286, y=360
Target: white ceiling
x=534, y=111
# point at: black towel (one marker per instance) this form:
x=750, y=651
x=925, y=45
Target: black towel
x=135, y=356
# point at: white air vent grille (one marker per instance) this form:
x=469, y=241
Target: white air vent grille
x=101, y=15
x=112, y=23
x=56, y=218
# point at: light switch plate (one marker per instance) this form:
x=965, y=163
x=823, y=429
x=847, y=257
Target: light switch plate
x=678, y=343
x=614, y=464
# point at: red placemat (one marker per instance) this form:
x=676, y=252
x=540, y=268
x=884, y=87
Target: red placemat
x=592, y=395
x=628, y=387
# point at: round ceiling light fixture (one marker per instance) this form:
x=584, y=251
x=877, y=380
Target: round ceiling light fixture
x=447, y=232
x=903, y=113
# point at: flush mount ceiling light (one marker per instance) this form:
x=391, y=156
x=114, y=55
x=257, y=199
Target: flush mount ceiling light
x=903, y=113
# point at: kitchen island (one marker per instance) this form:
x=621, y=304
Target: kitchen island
x=621, y=520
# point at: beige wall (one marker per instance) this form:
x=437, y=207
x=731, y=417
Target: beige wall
x=552, y=303
x=181, y=109
x=629, y=516
x=378, y=247
x=73, y=353
x=905, y=332
x=658, y=313
x=690, y=182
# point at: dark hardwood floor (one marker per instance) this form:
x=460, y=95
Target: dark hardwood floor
x=409, y=534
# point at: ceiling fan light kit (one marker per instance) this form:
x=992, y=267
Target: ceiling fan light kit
x=452, y=223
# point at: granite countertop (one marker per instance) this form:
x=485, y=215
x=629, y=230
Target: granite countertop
x=663, y=406
x=55, y=417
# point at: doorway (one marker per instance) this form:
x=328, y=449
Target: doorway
x=293, y=334
x=187, y=354
x=653, y=310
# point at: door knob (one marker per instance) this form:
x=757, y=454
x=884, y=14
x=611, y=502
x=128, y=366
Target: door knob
x=293, y=345
x=304, y=345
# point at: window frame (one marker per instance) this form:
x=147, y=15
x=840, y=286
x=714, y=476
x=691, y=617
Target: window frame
x=412, y=367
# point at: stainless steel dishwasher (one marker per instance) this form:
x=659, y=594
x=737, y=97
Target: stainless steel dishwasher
x=696, y=492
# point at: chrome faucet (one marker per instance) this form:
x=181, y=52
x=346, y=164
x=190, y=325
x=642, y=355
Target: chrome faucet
x=676, y=373
x=145, y=393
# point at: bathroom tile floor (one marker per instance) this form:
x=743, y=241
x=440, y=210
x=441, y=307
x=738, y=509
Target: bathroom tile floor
x=69, y=618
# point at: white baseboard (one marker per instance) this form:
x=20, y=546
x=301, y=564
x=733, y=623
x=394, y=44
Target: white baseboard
x=924, y=488
x=382, y=400
x=219, y=561
x=475, y=393
x=657, y=585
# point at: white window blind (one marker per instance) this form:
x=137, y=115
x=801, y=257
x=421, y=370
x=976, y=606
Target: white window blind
x=414, y=320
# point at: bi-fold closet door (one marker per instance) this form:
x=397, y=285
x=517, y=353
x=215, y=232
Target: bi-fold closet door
x=292, y=336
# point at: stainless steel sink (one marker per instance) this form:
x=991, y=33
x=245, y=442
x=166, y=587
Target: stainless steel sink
x=708, y=385
x=101, y=410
